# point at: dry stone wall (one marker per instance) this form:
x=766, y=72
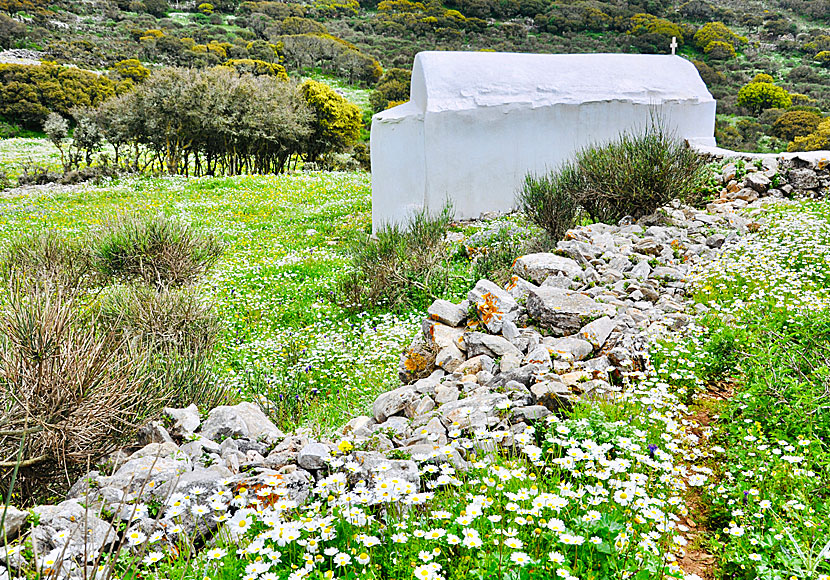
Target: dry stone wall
x=572, y=325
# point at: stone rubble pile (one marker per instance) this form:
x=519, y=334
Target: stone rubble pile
x=806, y=174
x=571, y=325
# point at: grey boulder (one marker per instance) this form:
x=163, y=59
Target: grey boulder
x=538, y=267
x=565, y=312
x=242, y=420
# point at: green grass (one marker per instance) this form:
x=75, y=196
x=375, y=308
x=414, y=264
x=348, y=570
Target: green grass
x=19, y=152
x=285, y=240
x=767, y=333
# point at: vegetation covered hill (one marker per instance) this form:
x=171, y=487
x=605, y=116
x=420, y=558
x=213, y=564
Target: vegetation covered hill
x=371, y=45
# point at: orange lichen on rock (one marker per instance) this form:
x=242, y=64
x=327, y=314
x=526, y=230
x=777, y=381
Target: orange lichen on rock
x=489, y=309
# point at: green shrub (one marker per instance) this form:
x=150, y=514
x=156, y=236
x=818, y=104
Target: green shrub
x=400, y=267
x=257, y=67
x=763, y=78
x=46, y=259
x=551, y=201
x=818, y=140
x=794, y=124
x=494, y=250
x=157, y=250
x=717, y=32
x=176, y=330
x=719, y=50
x=29, y=92
x=132, y=69
x=632, y=176
x=760, y=96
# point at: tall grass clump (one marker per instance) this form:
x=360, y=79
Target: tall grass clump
x=401, y=266
x=70, y=391
x=178, y=332
x=551, y=200
x=157, y=251
x=97, y=335
x=46, y=258
x=633, y=175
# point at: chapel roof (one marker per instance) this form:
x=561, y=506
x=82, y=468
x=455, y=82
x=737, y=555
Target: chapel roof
x=466, y=80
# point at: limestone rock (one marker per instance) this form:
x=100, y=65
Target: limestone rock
x=715, y=241
x=376, y=467
x=552, y=394
x=529, y=413
x=476, y=364
x=757, y=181
x=185, y=421
x=598, y=331
x=540, y=357
x=569, y=347
x=446, y=312
x=649, y=247
x=14, y=521
x=563, y=311
x=519, y=287
x=242, y=420
x=479, y=343
x=445, y=394
x=431, y=453
x=450, y=358
x=87, y=532
x=355, y=425
x=153, y=432
x=494, y=305
x=803, y=178
x=424, y=406
x=471, y=411
x=313, y=456
x=393, y=402
x=538, y=267
x=418, y=361
x=441, y=335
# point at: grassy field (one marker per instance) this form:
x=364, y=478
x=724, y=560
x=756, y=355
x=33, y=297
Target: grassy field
x=758, y=367
x=284, y=242
x=16, y=154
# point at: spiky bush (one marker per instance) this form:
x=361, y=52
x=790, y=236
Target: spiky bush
x=551, y=200
x=399, y=266
x=158, y=251
x=631, y=176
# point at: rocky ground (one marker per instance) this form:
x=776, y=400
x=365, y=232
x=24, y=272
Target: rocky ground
x=571, y=325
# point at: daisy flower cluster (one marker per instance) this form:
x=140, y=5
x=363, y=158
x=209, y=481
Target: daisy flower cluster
x=765, y=333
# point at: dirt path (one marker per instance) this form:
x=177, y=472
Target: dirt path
x=697, y=560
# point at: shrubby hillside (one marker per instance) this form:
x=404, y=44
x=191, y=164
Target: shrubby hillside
x=371, y=44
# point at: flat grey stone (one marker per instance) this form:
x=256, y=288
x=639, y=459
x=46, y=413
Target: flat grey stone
x=242, y=420
x=530, y=413
x=479, y=343
x=569, y=347
x=87, y=532
x=14, y=521
x=446, y=312
x=539, y=356
x=757, y=181
x=598, y=331
x=450, y=358
x=185, y=421
x=538, y=267
x=393, y=402
x=313, y=456
x=565, y=312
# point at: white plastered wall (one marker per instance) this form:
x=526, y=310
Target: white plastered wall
x=477, y=123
